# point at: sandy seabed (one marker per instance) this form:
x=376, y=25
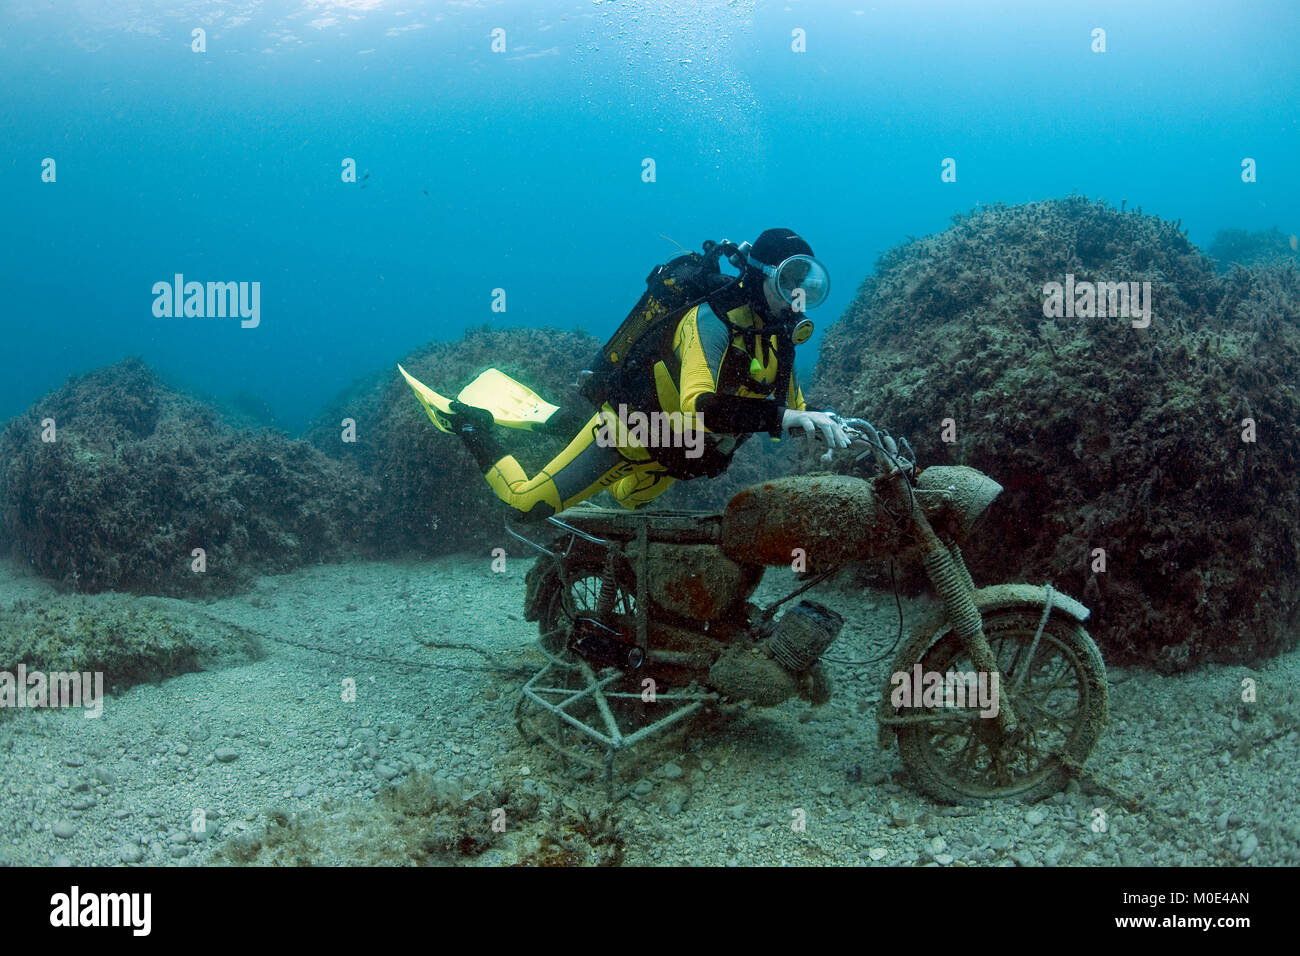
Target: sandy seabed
x=282, y=770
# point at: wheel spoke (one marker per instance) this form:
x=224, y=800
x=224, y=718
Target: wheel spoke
x=1049, y=708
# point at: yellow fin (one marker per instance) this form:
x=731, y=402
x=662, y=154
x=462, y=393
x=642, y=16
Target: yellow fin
x=511, y=403
x=436, y=406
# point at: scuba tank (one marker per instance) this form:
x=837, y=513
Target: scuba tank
x=672, y=289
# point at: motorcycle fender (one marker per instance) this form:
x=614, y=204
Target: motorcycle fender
x=996, y=597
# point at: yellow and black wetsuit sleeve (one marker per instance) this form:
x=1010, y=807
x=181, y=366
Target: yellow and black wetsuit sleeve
x=701, y=343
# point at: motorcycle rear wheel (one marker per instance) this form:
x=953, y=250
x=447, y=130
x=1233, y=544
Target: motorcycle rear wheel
x=573, y=591
x=1061, y=709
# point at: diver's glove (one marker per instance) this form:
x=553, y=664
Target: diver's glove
x=474, y=426
x=817, y=424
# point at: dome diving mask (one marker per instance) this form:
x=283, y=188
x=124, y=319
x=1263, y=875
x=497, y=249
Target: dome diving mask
x=800, y=281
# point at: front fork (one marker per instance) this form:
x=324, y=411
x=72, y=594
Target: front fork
x=953, y=583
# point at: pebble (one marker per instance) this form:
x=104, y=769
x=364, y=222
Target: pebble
x=178, y=851
x=182, y=750
x=64, y=830
x=1035, y=817
x=1248, y=846
x=73, y=762
x=130, y=854
x=878, y=853
x=738, y=812
x=670, y=771
x=943, y=859
x=83, y=803
x=303, y=789
x=226, y=754
x=385, y=772
x=341, y=743
x=643, y=787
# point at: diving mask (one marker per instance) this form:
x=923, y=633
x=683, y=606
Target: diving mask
x=800, y=281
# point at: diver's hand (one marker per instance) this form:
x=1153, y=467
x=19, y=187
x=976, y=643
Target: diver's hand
x=817, y=424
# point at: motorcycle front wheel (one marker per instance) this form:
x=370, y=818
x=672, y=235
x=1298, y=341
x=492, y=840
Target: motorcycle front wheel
x=1059, y=698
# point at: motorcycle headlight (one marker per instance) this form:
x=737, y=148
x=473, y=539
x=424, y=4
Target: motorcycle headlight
x=967, y=492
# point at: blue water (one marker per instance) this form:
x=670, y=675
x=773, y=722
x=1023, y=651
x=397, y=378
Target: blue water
x=522, y=170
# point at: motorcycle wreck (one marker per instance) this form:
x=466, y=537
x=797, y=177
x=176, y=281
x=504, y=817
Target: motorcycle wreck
x=646, y=621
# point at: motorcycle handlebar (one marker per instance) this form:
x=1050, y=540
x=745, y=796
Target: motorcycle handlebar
x=891, y=454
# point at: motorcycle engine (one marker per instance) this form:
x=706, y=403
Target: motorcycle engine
x=785, y=663
x=803, y=634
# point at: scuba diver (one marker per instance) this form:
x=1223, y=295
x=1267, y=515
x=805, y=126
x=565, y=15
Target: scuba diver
x=701, y=350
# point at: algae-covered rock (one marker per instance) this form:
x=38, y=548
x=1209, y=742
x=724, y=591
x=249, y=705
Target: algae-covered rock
x=1243, y=247
x=114, y=480
x=1166, y=452
x=128, y=639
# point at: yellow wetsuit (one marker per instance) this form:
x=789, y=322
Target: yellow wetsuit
x=717, y=376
